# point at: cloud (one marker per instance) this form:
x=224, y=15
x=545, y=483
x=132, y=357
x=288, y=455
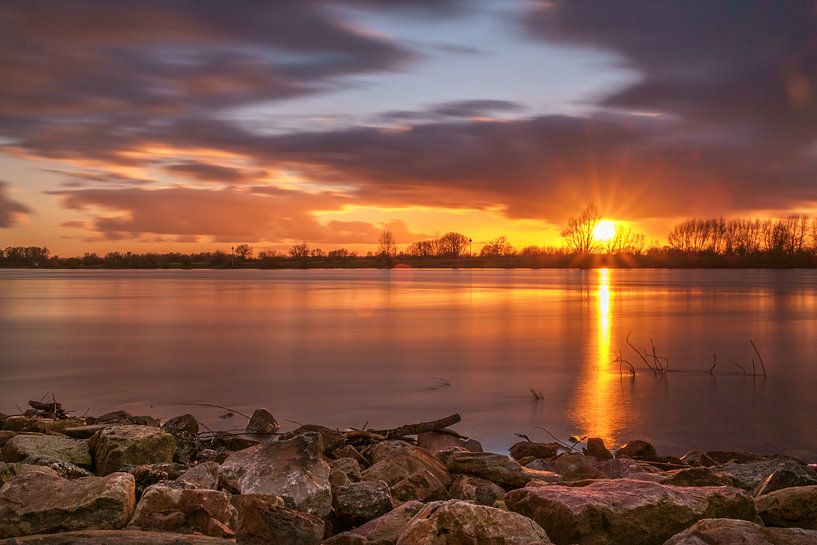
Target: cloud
x=223, y=215
x=10, y=210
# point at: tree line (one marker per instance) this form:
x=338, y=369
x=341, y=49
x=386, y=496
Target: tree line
x=791, y=236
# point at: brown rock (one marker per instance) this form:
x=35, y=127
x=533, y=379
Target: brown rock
x=621, y=468
x=262, y=522
x=294, y=469
x=497, y=468
x=750, y=474
x=456, y=522
x=34, y=503
x=39, y=424
x=262, y=421
x=186, y=423
x=117, y=446
x=164, y=507
x=740, y=532
x=125, y=418
x=381, y=531
x=66, y=470
x=576, y=467
x=84, y=432
x=699, y=476
x=117, y=537
x=637, y=450
x=794, y=507
x=201, y=476
x=528, y=449
x=150, y=474
x=480, y=491
x=184, y=429
x=435, y=441
x=597, y=449
x=412, y=473
x=344, y=471
x=388, y=449
x=620, y=511
x=332, y=439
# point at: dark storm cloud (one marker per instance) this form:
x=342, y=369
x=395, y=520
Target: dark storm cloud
x=10, y=209
x=206, y=172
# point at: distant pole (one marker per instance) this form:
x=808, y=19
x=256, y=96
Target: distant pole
x=471, y=247
x=232, y=257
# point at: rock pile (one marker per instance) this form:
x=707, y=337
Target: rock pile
x=122, y=480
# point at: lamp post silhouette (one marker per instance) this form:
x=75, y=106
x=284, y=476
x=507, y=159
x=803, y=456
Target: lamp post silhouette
x=232, y=257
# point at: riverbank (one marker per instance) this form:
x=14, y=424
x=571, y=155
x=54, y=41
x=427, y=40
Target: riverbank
x=124, y=479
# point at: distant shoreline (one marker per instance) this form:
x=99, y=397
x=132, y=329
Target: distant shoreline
x=511, y=262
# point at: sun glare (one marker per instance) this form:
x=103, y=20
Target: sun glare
x=604, y=231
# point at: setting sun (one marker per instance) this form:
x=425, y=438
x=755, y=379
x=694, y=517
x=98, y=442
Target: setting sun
x=604, y=231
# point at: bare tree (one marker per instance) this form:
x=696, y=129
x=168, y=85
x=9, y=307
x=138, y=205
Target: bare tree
x=578, y=234
x=299, y=251
x=498, y=247
x=452, y=244
x=386, y=244
x=243, y=251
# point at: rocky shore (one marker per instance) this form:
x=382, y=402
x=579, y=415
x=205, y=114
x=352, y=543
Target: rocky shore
x=120, y=479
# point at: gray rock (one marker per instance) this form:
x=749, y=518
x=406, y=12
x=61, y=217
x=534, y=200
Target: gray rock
x=637, y=450
x=528, y=449
x=294, y=469
x=699, y=476
x=184, y=429
x=73, y=451
x=597, y=449
x=118, y=446
x=383, y=530
x=740, y=532
x=624, y=511
x=64, y=469
x=794, y=507
x=750, y=474
x=34, y=503
x=784, y=478
x=360, y=502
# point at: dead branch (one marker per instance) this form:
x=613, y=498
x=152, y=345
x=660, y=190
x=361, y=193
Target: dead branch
x=422, y=427
x=714, y=363
x=733, y=362
x=762, y=365
x=537, y=395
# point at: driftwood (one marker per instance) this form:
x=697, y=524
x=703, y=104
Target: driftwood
x=422, y=427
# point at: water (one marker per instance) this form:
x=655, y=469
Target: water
x=347, y=347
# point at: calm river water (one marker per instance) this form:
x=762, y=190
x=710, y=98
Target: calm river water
x=347, y=347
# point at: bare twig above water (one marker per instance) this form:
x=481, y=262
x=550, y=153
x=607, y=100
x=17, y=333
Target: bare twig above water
x=762, y=365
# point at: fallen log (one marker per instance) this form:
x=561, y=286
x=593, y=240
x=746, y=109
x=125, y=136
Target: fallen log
x=421, y=427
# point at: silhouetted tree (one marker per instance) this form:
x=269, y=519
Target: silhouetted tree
x=452, y=244
x=578, y=234
x=498, y=247
x=299, y=251
x=243, y=251
x=386, y=244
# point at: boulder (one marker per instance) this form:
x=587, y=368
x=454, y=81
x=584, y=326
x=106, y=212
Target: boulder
x=64, y=469
x=529, y=449
x=699, y=476
x=388, y=449
x=576, y=467
x=619, y=511
x=637, y=450
x=84, y=432
x=794, y=507
x=204, y=476
x=150, y=474
x=262, y=421
x=412, y=473
x=261, y=522
x=621, y=468
x=435, y=441
x=34, y=503
x=332, y=439
x=344, y=471
x=356, y=503
x=185, y=430
x=472, y=488
x=118, y=537
x=456, y=522
x=716, y=457
x=294, y=469
x=740, y=532
x=497, y=468
x=73, y=451
x=117, y=446
x=383, y=530
x=165, y=507
x=597, y=449
x=9, y=471
x=751, y=473
x=783, y=478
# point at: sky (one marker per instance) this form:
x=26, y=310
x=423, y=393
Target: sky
x=188, y=125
